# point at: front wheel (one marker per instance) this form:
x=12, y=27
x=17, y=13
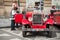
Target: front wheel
x=24, y=30
x=51, y=32
x=24, y=34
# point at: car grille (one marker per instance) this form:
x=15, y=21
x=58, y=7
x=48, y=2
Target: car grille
x=37, y=18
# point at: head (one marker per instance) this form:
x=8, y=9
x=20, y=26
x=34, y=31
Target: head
x=53, y=7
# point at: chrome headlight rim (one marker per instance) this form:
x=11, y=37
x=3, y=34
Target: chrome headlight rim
x=30, y=18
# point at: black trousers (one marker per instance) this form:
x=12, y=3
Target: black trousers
x=13, y=25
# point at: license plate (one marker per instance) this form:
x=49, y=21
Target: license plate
x=41, y=29
x=38, y=30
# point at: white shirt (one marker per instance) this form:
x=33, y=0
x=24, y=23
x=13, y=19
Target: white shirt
x=13, y=12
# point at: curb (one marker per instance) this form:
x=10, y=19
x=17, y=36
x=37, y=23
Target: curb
x=5, y=27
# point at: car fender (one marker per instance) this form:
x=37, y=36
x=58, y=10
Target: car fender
x=50, y=21
x=18, y=18
x=25, y=21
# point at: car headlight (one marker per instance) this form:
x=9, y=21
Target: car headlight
x=45, y=19
x=30, y=18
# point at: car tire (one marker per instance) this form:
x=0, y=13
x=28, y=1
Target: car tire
x=24, y=34
x=51, y=32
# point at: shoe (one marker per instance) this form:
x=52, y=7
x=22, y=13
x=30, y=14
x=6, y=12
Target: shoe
x=13, y=29
x=18, y=28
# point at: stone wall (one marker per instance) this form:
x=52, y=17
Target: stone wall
x=6, y=8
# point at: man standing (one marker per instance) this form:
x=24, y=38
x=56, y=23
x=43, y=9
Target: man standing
x=13, y=12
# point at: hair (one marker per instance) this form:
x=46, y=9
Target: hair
x=15, y=8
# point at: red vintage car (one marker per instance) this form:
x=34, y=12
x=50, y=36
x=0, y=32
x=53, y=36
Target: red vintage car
x=56, y=16
x=36, y=22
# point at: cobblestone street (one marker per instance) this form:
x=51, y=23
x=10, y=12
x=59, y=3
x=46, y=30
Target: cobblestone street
x=7, y=34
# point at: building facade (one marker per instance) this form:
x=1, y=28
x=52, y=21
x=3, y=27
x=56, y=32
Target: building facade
x=5, y=6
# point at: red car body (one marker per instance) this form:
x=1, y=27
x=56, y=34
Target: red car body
x=26, y=21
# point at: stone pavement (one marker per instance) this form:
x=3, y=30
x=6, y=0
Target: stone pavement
x=7, y=34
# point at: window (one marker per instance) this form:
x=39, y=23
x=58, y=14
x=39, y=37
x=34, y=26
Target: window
x=1, y=2
x=40, y=4
x=37, y=3
x=56, y=3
